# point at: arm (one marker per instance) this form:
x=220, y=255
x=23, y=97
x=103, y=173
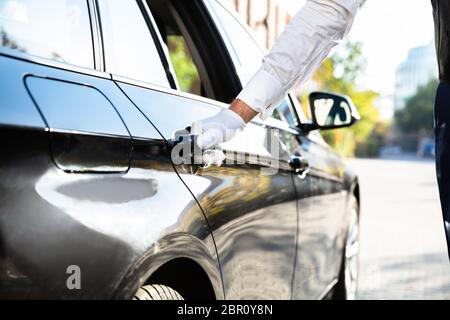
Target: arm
x=300, y=49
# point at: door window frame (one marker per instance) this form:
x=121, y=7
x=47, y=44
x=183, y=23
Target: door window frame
x=158, y=42
x=150, y=23
x=221, y=38
x=203, y=18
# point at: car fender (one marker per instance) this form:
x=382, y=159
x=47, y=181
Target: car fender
x=168, y=248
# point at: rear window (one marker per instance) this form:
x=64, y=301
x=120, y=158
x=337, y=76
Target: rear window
x=129, y=48
x=54, y=29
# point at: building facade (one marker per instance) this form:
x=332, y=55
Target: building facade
x=417, y=70
x=267, y=18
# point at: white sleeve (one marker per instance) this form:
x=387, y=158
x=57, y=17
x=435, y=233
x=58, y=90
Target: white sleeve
x=300, y=49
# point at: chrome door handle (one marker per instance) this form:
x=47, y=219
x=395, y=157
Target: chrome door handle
x=184, y=151
x=300, y=165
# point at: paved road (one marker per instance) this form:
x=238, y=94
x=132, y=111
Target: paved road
x=403, y=252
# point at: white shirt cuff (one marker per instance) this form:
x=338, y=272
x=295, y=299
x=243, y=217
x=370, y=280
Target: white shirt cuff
x=261, y=91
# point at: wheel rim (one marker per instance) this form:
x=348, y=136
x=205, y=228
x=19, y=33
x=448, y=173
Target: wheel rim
x=352, y=256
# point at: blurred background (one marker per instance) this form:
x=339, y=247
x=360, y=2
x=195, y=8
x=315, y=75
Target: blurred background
x=387, y=65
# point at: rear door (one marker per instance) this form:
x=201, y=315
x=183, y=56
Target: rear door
x=250, y=200
x=328, y=221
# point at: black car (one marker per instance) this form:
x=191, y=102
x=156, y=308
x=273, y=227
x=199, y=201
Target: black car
x=92, y=205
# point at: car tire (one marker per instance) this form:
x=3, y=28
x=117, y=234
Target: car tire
x=347, y=285
x=157, y=292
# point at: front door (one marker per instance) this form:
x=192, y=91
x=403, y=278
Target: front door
x=252, y=212
x=249, y=200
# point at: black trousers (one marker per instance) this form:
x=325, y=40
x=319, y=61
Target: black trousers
x=442, y=134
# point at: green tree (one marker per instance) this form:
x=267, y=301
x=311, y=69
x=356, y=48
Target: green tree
x=183, y=64
x=417, y=115
x=339, y=74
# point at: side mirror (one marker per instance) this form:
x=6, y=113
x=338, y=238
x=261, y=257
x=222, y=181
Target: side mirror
x=332, y=111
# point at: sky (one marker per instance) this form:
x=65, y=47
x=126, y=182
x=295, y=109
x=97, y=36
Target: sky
x=387, y=30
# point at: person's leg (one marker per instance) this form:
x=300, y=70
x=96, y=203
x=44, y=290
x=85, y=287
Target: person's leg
x=442, y=135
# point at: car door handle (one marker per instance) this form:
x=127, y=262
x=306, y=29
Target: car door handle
x=299, y=164
x=184, y=151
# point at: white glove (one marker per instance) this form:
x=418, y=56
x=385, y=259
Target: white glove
x=217, y=129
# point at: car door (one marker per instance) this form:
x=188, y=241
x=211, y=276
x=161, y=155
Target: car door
x=321, y=204
x=252, y=215
x=327, y=223
x=249, y=200
x=315, y=264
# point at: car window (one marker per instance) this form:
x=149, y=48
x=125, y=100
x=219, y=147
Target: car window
x=184, y=66
x=181, y=49
x=129, y=48
x=301, y=109
x=285, y=112
x=244, y=46
x=187, y=62
x=54, y=29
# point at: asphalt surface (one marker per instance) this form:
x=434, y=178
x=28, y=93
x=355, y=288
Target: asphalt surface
x=403, y=251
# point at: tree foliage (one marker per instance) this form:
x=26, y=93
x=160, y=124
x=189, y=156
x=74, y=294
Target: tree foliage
x=339, y=74
x=183, y=64
x=417, y=115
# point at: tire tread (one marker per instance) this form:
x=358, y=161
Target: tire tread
x=157, y=292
